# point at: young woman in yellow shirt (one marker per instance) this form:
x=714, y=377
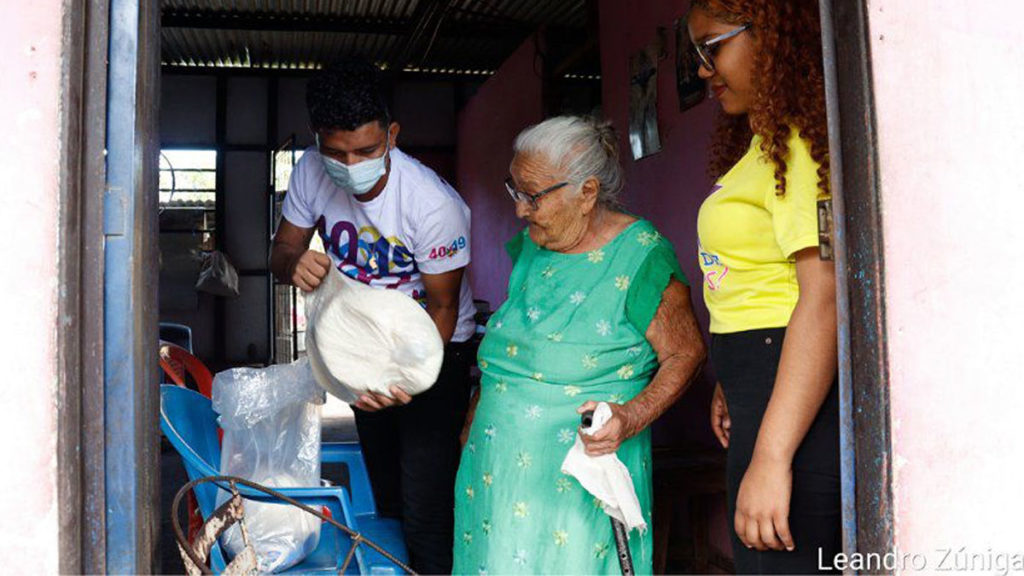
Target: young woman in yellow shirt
x=771, y=298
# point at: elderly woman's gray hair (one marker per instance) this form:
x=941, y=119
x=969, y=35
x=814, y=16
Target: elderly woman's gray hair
x=578, y=148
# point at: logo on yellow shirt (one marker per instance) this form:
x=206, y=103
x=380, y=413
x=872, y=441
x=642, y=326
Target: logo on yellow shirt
x=713, y=268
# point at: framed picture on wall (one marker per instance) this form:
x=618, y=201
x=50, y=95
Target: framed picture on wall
x=691, y=88
x=643, y=100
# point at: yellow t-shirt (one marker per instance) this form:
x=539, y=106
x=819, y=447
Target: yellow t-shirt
x=748, y=237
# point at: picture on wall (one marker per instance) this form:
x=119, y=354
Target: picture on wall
x=643, y=100
x=691, y=88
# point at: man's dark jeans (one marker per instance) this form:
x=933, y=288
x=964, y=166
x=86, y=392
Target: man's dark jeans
x=412, y=454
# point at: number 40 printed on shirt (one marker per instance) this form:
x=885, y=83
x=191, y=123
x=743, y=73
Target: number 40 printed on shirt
x=449, y=250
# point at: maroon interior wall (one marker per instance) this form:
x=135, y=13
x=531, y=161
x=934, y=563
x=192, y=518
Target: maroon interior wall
x=508, y=102
x=668, y=187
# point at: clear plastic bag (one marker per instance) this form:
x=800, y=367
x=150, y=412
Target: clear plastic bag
x=271, y=422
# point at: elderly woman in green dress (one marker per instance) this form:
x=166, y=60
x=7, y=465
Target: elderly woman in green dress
x=597, y=311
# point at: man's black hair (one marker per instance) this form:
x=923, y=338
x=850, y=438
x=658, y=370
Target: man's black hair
x=346, y=95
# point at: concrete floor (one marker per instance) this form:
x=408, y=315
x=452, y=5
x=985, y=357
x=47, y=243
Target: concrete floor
x=338, y=426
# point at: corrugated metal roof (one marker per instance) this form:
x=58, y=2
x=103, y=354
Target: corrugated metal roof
x=568, y=13
x=190, y=204
x=472, y=36
x=356, y=8
x=259, y=49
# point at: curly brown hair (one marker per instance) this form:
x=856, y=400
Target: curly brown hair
x=789, y=86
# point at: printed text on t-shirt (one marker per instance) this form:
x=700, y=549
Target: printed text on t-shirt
x=449, y=250
x=367, y=256
x=713, y=267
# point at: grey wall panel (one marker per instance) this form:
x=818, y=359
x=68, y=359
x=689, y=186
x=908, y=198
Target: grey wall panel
x=426, y=111
x=246, y=322
x=203, y=328
x=179, y=300
x=188, y=110
x=247, y=110
x=291, y=111
x=246, y=239
x=179, y=269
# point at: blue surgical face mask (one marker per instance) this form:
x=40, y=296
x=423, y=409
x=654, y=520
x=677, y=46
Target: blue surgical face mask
x=358, y=178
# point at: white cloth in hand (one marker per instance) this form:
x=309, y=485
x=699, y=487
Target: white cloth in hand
x=605, y=476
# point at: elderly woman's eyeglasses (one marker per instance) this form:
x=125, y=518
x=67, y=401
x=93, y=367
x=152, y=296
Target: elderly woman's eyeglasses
x=520, y=196
x=707, y=49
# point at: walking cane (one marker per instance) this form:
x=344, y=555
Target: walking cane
x=618, y=528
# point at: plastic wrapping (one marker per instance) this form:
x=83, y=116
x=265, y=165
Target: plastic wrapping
x=217, y=276
x=362, y=339
x=271, y=422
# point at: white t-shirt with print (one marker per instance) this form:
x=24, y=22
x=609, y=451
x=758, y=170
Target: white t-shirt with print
x=417, y=224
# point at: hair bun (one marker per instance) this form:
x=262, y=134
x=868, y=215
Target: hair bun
x=607, y=136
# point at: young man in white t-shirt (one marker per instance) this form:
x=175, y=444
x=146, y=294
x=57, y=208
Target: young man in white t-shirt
x=392, y=223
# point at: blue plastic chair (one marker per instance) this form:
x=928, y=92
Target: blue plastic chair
x=177, y=334
x=189, y=422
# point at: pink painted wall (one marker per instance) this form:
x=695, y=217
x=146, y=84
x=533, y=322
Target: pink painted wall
x=30, y=40
x=949, y=83
x=508, y=102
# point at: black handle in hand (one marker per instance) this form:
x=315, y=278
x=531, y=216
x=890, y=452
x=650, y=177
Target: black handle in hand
x=587, y=418
x=618, y=528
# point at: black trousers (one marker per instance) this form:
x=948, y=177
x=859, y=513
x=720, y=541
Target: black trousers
x=412, y=454
x=746, y=364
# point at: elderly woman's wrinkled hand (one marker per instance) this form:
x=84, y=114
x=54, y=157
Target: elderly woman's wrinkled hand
x=620, y=427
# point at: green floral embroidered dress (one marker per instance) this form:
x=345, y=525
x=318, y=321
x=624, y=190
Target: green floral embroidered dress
x=571, y=330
